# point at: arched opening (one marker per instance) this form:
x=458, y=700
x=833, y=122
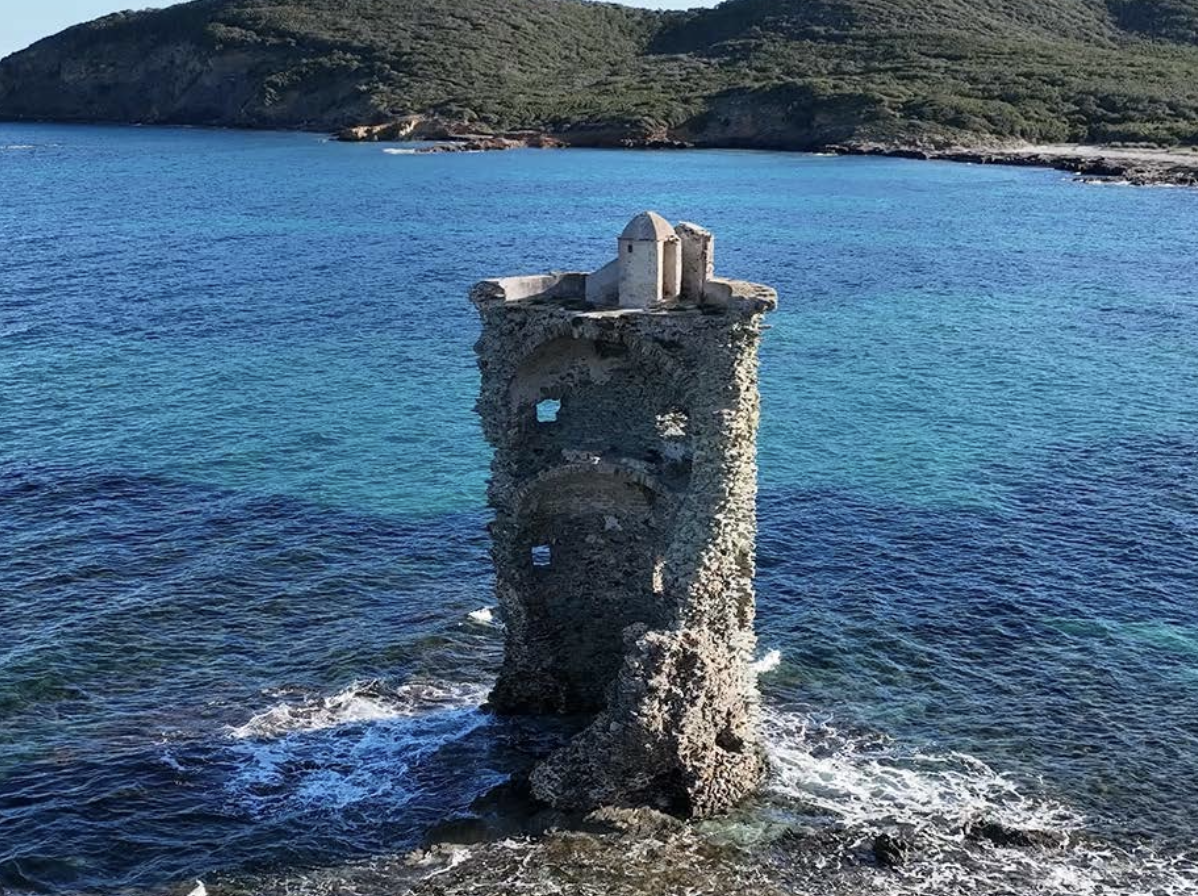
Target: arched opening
x=601, y=398
x=594, y=539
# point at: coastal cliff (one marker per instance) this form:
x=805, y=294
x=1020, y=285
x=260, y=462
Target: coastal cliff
x=780, y=74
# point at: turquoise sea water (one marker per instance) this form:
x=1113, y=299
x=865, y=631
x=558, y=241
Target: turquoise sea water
x=241, y=488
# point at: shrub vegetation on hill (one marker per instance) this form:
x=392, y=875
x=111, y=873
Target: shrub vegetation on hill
x=748, y=72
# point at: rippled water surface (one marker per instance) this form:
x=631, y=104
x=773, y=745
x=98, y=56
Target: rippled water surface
x=242, y=521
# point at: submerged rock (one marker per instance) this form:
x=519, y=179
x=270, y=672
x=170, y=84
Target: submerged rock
x=602, y=865
x=644, y=853
x=640, y=822
x=891, y=850
x=1004, y=835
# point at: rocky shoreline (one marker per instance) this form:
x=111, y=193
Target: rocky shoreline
x=445, y=136
x=1139, y=167
x=640, y=852
x=1135, y=166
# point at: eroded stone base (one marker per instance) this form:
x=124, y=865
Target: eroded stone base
x=679, y=733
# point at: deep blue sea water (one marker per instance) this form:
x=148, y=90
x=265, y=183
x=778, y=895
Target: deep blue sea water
x=242, y=516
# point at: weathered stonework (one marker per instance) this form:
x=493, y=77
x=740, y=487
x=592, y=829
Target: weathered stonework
x=623, y=409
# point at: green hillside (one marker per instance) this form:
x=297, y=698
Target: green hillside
x=794, y=73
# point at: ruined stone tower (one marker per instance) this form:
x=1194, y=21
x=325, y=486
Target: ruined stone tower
x=623, y=408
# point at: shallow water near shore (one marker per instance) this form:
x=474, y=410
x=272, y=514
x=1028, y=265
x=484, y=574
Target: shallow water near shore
x=243, y=559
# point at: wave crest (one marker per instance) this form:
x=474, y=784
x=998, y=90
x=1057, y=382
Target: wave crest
x=363, y=701
x=859, y=785
x=368, y=742
x=868, y=780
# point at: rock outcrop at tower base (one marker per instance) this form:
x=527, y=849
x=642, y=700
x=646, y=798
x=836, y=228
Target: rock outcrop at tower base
x=678, y=735
x=623, y=408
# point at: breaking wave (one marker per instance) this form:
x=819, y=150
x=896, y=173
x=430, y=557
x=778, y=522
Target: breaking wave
x=368, y=742
x=484, y=616
x=860, y=785
x=770, y=661
x=367, y=701
x=869, y=780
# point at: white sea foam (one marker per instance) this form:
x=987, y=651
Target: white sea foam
x=768, y=663
x=400, y=152
x=485, y=616
x=366, y=742
x=863, y=784
x=867, y=781
x=14, y=147
x=360, y=702
x=1080, y=870
x=457, y=855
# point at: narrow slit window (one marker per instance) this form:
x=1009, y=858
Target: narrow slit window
x=547, y=410
x=541, y=555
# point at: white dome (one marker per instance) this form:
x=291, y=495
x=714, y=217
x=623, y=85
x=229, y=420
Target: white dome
x=648, y=227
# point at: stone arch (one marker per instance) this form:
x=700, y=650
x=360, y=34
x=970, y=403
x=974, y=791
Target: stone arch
x=586, y=546
x=560, y=362
x=613, y=393
x=569, y=339
x=533, y=492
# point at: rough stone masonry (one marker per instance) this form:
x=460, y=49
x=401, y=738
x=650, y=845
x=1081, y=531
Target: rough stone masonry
x=623, y=408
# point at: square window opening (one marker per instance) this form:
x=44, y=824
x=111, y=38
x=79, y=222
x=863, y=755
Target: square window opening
x=541, y=556
x=547, y=410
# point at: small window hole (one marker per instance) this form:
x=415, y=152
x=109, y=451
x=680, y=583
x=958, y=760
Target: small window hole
x=672, y=424
x=541, y=555
x=547, y=410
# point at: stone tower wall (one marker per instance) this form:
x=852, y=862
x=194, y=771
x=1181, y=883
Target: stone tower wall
x=641, y=263
x=624, y=535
